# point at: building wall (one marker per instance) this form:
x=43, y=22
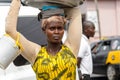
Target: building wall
x=109, y=16
x=118, y=15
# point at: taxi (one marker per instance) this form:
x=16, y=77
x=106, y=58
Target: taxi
x=106, y=57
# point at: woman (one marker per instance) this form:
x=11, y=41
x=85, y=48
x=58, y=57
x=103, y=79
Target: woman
x=55, y=61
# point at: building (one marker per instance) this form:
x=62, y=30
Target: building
x=107, y=14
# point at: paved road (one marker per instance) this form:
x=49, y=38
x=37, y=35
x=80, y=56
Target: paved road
x=98, y=77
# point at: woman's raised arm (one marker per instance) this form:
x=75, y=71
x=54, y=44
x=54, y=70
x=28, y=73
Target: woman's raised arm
x=11, y=20
x=30, y=49
x=75, y=30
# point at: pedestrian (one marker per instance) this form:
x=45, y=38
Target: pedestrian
x=56, y=60
x=84, y=58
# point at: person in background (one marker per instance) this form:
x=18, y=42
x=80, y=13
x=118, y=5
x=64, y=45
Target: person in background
x=84, y=59
x=56, y=60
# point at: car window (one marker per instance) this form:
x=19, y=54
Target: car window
x=115, y=44
x=95, y=46
x=105, y=46
x=30, y=27
x=20, y=61
x=118, y=48
x=5, y=2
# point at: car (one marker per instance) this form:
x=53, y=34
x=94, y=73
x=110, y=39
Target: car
x=19, y=69
x=106, y=57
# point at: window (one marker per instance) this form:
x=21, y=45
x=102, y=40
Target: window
x=115, y=43
x=5, y=2
x=95, y=47
x=20, y=60
x=29, y=26
x=106, y=46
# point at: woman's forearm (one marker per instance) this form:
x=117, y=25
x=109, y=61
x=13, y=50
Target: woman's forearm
x=29, y=49
x=75, y=29
x=11, y=20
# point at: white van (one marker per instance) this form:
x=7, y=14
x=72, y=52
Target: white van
x=20, y=69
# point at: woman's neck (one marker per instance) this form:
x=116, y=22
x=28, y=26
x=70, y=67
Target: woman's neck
x=52, y=49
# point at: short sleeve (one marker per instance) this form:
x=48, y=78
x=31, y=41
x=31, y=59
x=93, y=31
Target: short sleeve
x=82, y=49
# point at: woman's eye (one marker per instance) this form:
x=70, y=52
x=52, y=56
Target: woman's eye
x=52, y=28
x=56, y=28
x=60, y=28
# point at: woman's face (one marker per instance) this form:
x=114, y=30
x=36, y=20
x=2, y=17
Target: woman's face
x=54, y=31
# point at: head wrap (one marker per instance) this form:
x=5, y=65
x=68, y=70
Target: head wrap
x=48, y=11
x=51, y=13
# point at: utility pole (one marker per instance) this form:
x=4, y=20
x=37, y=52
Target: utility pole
x=97, y=10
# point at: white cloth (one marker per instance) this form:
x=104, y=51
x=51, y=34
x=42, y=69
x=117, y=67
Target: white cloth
x=77, y=76
x=86, y=65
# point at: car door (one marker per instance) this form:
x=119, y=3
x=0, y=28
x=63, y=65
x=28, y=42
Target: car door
x=100, y=57
x=95, y=50
x=19, y=69
x=2, y=74
x=103, y=52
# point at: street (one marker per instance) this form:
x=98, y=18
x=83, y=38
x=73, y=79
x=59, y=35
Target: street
x=98, y=77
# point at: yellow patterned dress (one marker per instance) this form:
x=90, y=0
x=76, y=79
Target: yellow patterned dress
x=62, y=66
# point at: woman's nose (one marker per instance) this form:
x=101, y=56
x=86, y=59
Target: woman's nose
x=56, y=30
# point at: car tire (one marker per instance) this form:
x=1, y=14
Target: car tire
x=111, y=72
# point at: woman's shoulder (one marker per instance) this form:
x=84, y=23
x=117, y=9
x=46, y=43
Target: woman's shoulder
x=65, y=47
x=67, y=51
